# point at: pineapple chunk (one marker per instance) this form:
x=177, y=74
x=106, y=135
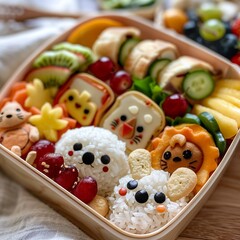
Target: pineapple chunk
x=223, y=107
x=228, y=83
x=227, y=91
x=228, y=126
x=231, y=99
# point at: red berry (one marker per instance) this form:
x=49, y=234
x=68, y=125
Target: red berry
x=86, y=189
x=236, y=27
x=50, y=164
x=103, y=68
x=120, y=82
x=67, y=176
x=175, y=105
x=236, y=59
x=42, y=147
x=122, y=191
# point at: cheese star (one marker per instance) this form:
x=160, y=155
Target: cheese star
x=49, y=122
x=37, y=94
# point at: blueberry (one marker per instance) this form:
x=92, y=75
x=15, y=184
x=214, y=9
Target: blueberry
x=228, y=45
x=192, y=16
x=227, y=27
x=190, y=30
x=213, y=45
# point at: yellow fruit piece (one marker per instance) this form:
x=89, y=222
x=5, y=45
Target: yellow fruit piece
x=223, y=107
x=228, y=83
x=86, y=33
x=233, y=100
x=227, y=91
x=49, y=121
x=228, y=126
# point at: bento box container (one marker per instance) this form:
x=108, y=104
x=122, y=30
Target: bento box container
x=145, y=11
x=72, y=208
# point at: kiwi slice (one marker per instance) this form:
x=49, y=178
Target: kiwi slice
x=85, y=54
x=61, y=58
x=51, y=76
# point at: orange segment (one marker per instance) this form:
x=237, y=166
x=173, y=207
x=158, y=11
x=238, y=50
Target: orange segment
x=86, y=33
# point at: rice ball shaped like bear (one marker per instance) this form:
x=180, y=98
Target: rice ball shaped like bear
x=142, y=206
x=96, y=152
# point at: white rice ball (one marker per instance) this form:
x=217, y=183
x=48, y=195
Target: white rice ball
x=96, y=152
x=130, y=215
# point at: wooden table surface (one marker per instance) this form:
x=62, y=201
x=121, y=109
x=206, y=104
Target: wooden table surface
x=219, y=219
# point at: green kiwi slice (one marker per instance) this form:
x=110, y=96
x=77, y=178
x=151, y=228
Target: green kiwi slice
x=61, y=58
x=85, y=54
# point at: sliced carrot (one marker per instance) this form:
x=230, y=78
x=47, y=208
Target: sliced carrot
x=34, y=110
x=16, y=87
x=86, y=33
x=20, y=96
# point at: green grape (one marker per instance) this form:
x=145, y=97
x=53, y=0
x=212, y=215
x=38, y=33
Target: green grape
x=212, y=30
x=209, y=11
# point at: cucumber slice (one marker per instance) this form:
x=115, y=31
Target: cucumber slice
x=126, y=48
x=209, y=122
x=157, y=66
x=220, y=142
x=198, y=84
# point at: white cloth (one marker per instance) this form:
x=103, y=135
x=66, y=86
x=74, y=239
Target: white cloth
x=23, y=216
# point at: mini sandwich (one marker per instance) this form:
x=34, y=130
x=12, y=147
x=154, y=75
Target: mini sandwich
x=135, y=119
x=85, y=99
x=150, y=57
x=192, y=76
x=116, y=43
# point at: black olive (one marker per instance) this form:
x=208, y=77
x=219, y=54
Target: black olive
x=105, y=159
x=132, y=184
x=159, y=197
x=141, y=196
x=77, y=146
x=88, y=158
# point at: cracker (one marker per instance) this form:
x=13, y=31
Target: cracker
x=181, y=183
x=140, y=163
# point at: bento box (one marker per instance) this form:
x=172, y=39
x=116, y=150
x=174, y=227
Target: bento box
x=145, y=9
x=70, y=206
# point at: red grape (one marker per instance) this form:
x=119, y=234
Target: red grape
x=50, y=164
x=42, y=147
x=120, y=82
x=67, y=176
x=175, y=105
x=86, y=189
x=103, y=68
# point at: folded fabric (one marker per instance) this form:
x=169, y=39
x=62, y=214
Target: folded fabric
x=22, y=216
x=15, y=48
